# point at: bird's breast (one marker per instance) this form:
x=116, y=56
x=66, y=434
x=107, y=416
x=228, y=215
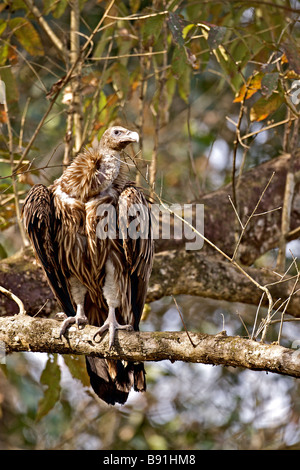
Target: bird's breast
x=64, y=197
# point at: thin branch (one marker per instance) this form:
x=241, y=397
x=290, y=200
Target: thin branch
x=236, y=142
x=45, y=26
x=124, y=56
x=23, y=124
x=13, y=297
x=235, y=264
x=266, y=128
x=190, y=152
x=14, y=177
x=250, y=217
x=137, y=17
x=288, y=301
x=60, y=85
x=183, y=322
x=75, y=83
x=231, y=259
x=288, y=199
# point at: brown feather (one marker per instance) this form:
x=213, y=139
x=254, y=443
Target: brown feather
x=62, y=224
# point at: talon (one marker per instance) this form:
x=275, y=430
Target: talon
x=80, y=319
x=100, y=332
x=111, y=325
x=66, y=324
x=60, y=316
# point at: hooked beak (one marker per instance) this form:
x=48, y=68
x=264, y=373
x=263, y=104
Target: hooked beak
x=131, y=137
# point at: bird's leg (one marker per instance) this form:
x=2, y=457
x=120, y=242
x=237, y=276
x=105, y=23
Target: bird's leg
x=111, y=325
x=112, y=297
x=78, y=292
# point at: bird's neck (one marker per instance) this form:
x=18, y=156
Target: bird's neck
x=88, y=175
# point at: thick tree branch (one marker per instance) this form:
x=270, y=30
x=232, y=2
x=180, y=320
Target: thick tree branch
x=24, y=333
x=174, y=273
x=264, y=229
x=196, y=273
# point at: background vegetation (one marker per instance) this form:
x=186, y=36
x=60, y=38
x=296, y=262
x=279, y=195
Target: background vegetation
x=208, y=86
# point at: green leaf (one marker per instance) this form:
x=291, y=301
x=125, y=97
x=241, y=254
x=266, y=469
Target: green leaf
x=152, y=28
x=187, y=29
x=171, y=87
x=265, y=106
x=26, y=35
x=176, y=25
x=120, y=79
x=292, y=55
x=50, y=378
x=184, y=84
x=134, y=5
x=60, y=8
x=11, y=89
x=104, y=40
x=216, y=36
x=3, y=25
x=179, y=62
x=77, y=368
x=3, y=253
x=269, y=84
x=4, y=49
x=17, y=5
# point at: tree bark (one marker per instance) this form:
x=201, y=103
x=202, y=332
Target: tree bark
x=264, y=231
x=174, y=273
x=203, y=275
x=24, y=333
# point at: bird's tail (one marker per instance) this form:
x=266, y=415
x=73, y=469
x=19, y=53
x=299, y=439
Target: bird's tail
x=112, y=380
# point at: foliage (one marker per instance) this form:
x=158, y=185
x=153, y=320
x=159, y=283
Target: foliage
x=193, y=78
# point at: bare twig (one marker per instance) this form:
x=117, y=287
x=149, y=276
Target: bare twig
x=137, y=17
x=14, y=177
x=13, y=297
x=288, y=301
x=264, y=129
x=46, y=27
x=123, y=56
x=61, y=84
x=236, y=142
x=76, y=82
x=228, y=258
x=244, y=227
x=23, y=124
x=184, y=325
x=288, y=199
x=190, y=152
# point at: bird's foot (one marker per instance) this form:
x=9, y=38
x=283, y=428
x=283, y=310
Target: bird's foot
x=80, y=319
x=111, y=325
x=60, y=316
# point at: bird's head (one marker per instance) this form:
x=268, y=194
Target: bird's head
x=117, y=138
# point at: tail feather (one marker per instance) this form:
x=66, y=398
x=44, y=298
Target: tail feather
x=112, y=380
x=139, y=377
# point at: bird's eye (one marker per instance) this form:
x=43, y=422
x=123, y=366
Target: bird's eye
x=116, y=132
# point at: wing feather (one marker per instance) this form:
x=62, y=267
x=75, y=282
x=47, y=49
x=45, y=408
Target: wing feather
x=39, y=221
x=138, y=251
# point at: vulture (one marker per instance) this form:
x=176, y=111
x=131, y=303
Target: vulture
x=98, y=276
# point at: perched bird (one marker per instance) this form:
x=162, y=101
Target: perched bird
x=98, y=277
